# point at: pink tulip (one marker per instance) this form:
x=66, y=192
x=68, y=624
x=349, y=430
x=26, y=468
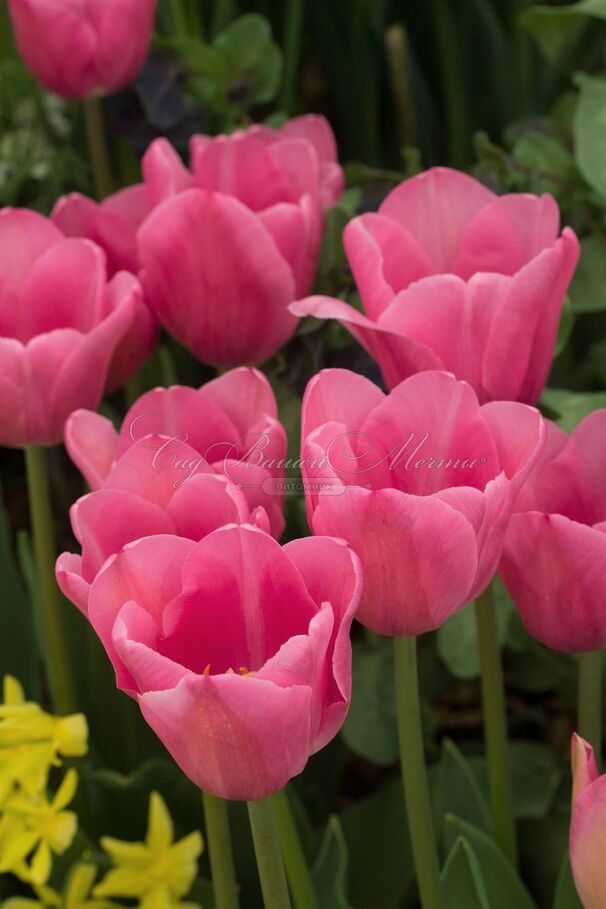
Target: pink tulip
x=61, y=323
x=112, y=225
x=588, y=827
x=78, y=48
x=420, y=483
x=229, y=427
x=555, y=549
x=453, y=277
x=233, y=242
x=236, y=649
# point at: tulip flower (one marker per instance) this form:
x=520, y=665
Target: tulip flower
x=588, y=827
x=454, y=277
x=420, y=483
x=61, y=323
x=230, y=244
x=81, y=49
x=236, y=649
x=555, y=549
x=231, y=424
x=112, y=225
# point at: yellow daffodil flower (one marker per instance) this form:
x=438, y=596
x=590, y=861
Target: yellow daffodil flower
x=32, y=740
x=37, y=827
x=77, y=894
x=158, y=871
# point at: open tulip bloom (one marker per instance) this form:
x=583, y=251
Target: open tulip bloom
x=588, y=827
x=80, y=49
x=420, y=482
x=555, y=549
x=236, y=649
x=61, y=326
x=453, y=277
x=181, y=464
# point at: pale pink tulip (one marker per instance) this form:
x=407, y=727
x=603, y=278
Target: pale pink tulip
x=79, y=48
x=421, y=484
x=236, y=649
x=588, y=827
x=555, y=549
x=61, y=324
x=453, y=277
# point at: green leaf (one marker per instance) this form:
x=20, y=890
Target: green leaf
x=565, y=327
x=566, y=896
x=504, y=888
x=456, y=790
x=462, y=883
x=535, y=777
x=18, y=643
x=329, y=872
x=381, y=869
x=557, y=28
x=588, y=288
x=370, y=728
x=570, y=407
x=248, y=47
x=590, y=131
x=457, y=641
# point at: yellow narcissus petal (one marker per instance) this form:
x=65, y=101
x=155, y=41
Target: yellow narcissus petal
x=156, y=899
x=79, y=885
x=183, y=863
x=42, y=864
x=126, y=882
x=71, y=735
x=160, y=829
x=63, y=829
x=12, y=691
x=66, y=790
x=123, y=853
x=16, y=843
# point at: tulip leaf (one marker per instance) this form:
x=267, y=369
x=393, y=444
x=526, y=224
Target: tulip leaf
x=566, y=896
x=535, y=777
x=252, y=56
x=456, y=790
x=568, y=408
x=503, y=887
x=462, y=883
x=590, y=131
x=18, y=644
x=457, y=641
x=370, y=728
x=557, y=28
x=588, y=288
x=329, y=872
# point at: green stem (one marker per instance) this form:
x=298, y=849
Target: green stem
x=495, y=725
x=292, y=47
x=58, y=662
x=269, y=858
x=453, y=89
x=590, y=701
x=179, y=18
x=414, y=773
x=297, y=872
x=97, y=146
x=398, y=65
x=221, y=16
x=220, y=852
x=133, y=389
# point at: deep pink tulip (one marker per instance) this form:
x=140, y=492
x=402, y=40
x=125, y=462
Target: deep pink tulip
x=588, y=827
x=112, y=225
x=429, y=480
x=453, y=277
x=555, y=549
x=236, y=649
x=78, y=48
x=234, y=241
x=61, y=324
x=230, y=426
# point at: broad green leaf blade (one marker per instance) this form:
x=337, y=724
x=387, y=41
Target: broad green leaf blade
x=569, y=407
x=535, y=777
x=566, y=896
x=557, y=28
x=590, y=131
x=370, y=728
x=462, y=884
x=588, y=288
x=457, y=641
x=329, y=872
x=455, y=790
x=503, y=887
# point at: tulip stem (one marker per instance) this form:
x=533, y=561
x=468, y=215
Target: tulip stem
x=590, y=701
x=495, y=725
x=97, y=147
x=269, y=857
x=220, y=852
x=297, y=871
x=414, y=773
x=58, y=661
x=292, y=44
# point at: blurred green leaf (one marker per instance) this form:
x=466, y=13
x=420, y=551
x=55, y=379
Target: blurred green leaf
x=462, y=883
x=535, y=777
x=455, y=790
x=566, y=893
x=252, y=55
x=457, y=641
x=590, y=131
x=570, y=407
x=370, y=728
x=557, y=28
x=503, y=887
x=329, y=872
x=588, y=288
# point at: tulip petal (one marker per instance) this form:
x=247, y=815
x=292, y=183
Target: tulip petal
x=91, y=442
x=164, y=173
x=586, y=839
x=68, y=572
